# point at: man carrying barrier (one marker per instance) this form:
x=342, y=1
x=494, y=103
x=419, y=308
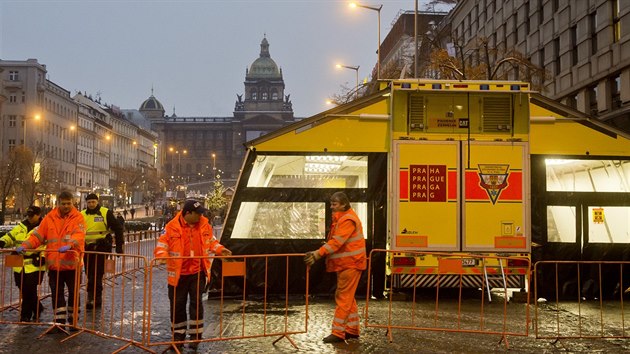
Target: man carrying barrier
x=345, y=255
x=189, y=234
x=61, y=230
x=99, y=222
x=29, y=276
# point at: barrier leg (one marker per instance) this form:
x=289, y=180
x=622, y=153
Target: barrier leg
x=288, y=338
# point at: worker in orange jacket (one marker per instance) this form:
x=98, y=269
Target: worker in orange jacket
x=62, y=230
x=345, y=255
x=188, y=235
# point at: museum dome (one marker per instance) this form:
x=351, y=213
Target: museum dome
x=151, y=104
x=264, y=67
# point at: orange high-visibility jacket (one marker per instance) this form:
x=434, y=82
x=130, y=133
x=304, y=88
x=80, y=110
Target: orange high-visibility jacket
x=345, y=246
x=170, y=244
x=54, y=232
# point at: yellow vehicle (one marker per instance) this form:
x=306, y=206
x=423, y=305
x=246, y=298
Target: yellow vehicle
x=442, y=167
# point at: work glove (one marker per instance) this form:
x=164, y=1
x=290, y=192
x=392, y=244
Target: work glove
x=20, y=250
x=64, y=249
x=2, y=244
x=226, y=252
x=311, y=257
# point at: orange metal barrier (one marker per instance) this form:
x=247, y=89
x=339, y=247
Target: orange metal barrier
x=239, y=315
x=118, y=312
x=429, y=309
x=36, y=293
x=10, y=294
x=141, y=243
x=580, y=299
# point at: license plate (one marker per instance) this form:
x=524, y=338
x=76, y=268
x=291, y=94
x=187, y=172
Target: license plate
x=468, y=262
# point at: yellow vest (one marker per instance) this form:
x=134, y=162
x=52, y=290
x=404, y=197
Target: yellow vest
x=95, y=225
x=31, y=263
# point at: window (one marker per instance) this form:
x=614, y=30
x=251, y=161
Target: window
x=254, y=96
x=574, y=47
x=12, y=121
x=264, y=96
x=11, y=144
x=572, y=101
x=615, y=87
x=12, y=99
x=274, y=96
x=616, y=22
x=572, y=175
x=561, y=224
x=592, y=99
x=556, y=55
x=14, y=76
x=312, y=171
x=593, y=32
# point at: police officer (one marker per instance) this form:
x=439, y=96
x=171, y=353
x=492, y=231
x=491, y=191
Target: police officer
x=100, y=222
x=29, y=276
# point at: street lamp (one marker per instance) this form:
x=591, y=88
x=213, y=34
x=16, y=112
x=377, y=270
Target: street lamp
x=378, y=48
x=179, y=162
x=356, y=70
x=214, y=163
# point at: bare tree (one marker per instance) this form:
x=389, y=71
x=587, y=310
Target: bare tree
x=8, y=174
x=483, y=61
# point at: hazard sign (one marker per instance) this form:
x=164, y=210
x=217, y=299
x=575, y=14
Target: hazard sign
x=598, y=215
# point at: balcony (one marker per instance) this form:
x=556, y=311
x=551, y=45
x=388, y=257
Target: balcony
x=9, y=84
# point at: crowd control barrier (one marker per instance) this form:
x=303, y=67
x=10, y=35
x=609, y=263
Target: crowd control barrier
x=581, y=299
x=429, y=310
x=10, y=294
x=250, y=311
x=119, y=311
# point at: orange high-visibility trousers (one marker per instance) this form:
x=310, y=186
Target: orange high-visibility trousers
x=346, y=318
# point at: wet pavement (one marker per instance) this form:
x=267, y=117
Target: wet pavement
x=23, y=338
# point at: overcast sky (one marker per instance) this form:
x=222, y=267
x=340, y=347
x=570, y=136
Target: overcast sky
x=194, y=53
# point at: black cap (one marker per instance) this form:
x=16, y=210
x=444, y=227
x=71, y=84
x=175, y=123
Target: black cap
x=91, y=196
x=33, y=210
x=193, y=205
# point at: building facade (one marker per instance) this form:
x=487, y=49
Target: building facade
x=584, y=46
x=195, y=150
x=78, y=144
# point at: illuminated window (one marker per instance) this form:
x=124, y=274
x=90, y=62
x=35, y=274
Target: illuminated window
x=565, y=175
x=325, y=171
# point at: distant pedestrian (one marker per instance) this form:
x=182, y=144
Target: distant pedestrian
x=146, y=210
x=345, y=254
x=120, y=220
x=132, y=211
x=125, y=213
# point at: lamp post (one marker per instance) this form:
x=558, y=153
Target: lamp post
x=378, y=48
x=356, y=70
x=179, y=162
x=214, y=166
x=35, y=117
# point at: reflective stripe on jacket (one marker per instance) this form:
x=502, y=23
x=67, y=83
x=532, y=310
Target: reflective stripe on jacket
x=96, y=225
x=54, y=232
x=14, y=238
x=171, y=244
x=345, y=245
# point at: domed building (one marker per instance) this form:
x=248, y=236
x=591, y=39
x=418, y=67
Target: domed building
x=193, y=150
x=265, y=107
x=152, y=109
